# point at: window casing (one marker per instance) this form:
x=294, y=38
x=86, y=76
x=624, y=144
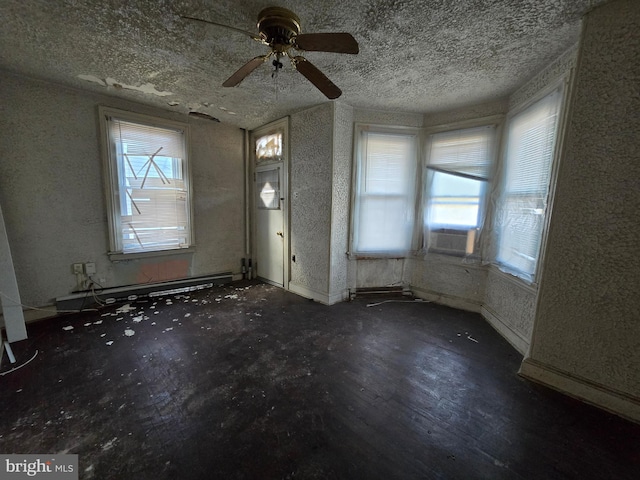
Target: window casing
x=384, y=191
x=458, y=168
x=521, y=214
x=148, y=187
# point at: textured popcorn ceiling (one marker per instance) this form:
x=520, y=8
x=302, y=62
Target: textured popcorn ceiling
x=415, y=55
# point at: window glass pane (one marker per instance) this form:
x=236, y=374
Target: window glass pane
x=385, y=193
x=388, y=162
x=459, y=164
x=269, y=148
x=385, y=224
x=520, y=216
x=453, y=201
x=152, y=195
x=268, y=187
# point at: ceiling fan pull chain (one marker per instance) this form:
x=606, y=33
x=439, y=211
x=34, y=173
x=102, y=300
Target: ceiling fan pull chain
x=277, y=66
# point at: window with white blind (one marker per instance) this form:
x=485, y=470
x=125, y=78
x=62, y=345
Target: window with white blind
x=385, y=188
x=459, y=164
x=529, y=154
x=148, y=183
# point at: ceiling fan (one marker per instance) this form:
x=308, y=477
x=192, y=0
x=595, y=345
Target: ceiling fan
x=280, y=30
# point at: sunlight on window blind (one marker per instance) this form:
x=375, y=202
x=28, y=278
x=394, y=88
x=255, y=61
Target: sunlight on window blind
x=459, y=164
x=385, y=193
x=152, y=194
x=531, y=137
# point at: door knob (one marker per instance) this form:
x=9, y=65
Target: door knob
x=280, y=234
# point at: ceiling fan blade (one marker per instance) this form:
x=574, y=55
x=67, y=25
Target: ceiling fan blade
x=257, y=38
x=245, y=70
x=315, y=76
x=327, y=42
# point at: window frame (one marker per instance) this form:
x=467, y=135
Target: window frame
x=561, y=85
x=112, y=181
x=359, y=129
x=495, y=122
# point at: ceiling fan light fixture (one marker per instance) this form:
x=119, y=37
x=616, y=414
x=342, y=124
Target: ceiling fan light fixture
x=280, y=29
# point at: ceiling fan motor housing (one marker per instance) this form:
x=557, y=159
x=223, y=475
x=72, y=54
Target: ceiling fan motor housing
x=278, y=27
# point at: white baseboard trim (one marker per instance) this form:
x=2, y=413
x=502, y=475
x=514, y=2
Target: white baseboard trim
x=307, y=292
x=518, y=342
x=444, y=299
x=593, y=393
x=339, y=297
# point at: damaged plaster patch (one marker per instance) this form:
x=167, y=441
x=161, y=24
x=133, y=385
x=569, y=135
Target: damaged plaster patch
x=148, y=88
x=93, y=78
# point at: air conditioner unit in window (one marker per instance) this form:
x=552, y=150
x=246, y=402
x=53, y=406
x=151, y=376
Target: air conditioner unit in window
x=457, y=242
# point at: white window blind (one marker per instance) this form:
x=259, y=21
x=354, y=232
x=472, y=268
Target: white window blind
x=385, y=192
x=463, y=152
x=458, y=167
x=149, y=187
x=531, y=138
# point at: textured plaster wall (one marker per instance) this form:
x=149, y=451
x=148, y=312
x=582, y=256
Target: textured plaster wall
x=380, y=272
x=342, y=153
x=311, y=197
x=458, y=283
x=511, y=301
x=379, y=117
x=588, y=319
x=51, y=191
x=497, y=107
x=559, y=67
x=507, y=298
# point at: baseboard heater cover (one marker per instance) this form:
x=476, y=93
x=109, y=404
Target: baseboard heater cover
x=80, y=300
x=394, y=290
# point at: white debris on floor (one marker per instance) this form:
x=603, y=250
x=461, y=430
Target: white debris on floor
x=125, y=308
x=129, y=333
x=68, y=327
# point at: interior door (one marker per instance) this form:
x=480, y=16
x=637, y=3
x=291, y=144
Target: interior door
x=269, y=223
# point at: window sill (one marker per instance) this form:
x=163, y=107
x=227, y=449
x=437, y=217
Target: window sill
x=121, y=257
x=378, y=256
x=513, y=278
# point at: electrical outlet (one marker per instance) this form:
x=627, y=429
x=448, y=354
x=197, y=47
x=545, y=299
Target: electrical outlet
x=77, y=268
x=90, y=268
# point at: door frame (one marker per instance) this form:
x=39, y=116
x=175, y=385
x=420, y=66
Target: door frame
x=278, y=126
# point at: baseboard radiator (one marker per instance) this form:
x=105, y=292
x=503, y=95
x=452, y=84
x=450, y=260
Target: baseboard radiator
x=81, y=300
x=392, y=290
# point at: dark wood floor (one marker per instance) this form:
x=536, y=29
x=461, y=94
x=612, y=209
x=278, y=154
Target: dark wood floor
x=247, y=381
